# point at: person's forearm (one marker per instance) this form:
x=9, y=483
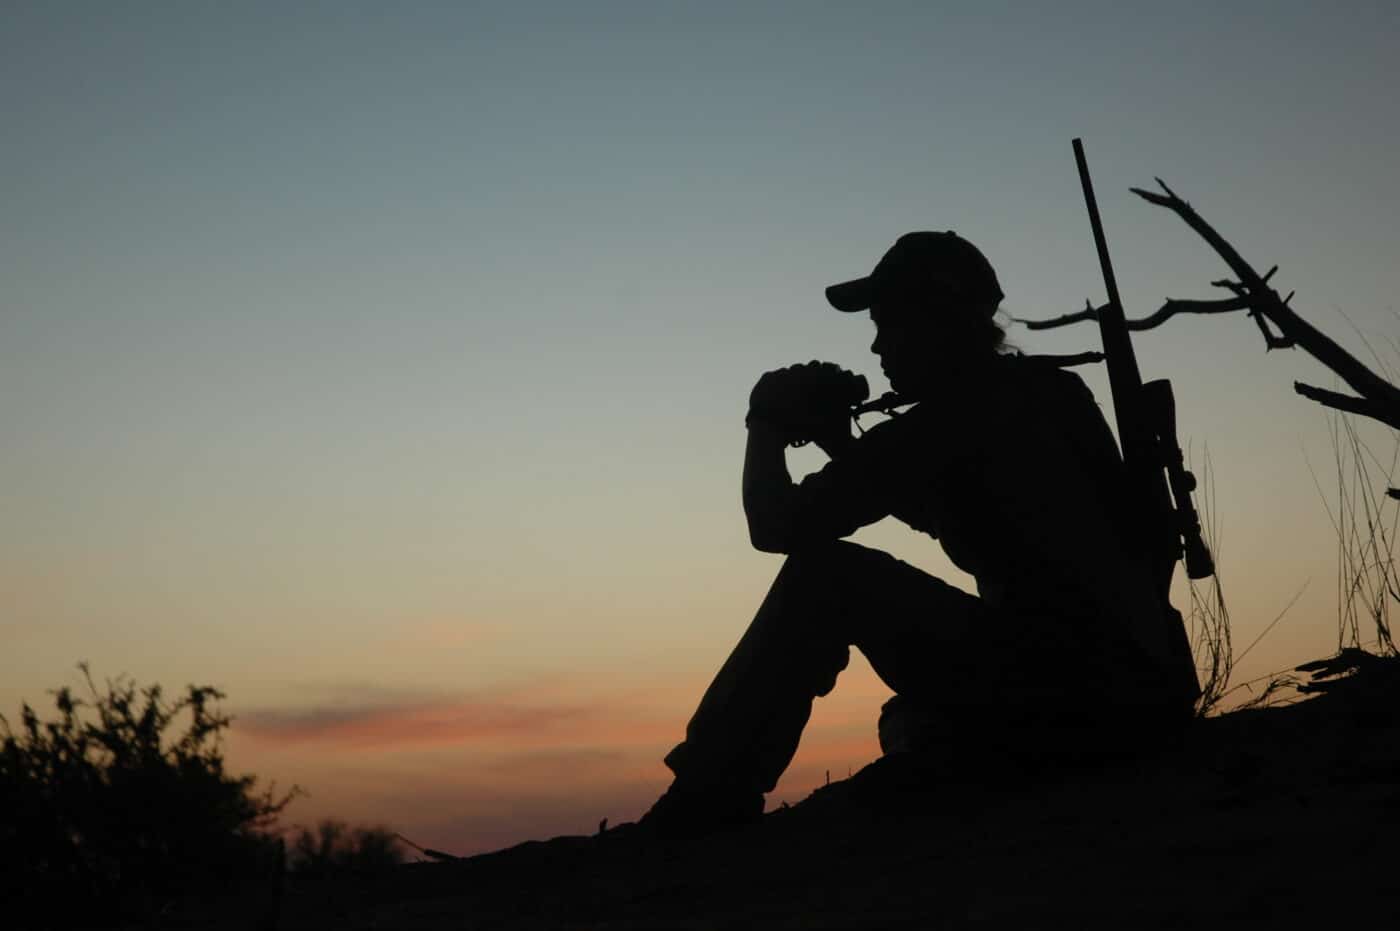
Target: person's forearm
x=767, y=489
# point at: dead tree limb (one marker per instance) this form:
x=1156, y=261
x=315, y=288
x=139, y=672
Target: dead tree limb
x=1279, y=324
x=1267, y=307
x=1376, y=410
x=1170, y=309
x=1078, y=358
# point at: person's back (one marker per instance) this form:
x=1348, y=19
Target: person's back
x=1032, y=502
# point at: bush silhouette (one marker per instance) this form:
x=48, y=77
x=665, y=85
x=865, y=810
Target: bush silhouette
x=335, y=847
x=111, y=812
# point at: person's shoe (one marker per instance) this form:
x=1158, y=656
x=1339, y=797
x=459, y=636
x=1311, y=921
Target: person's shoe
x=685, y=812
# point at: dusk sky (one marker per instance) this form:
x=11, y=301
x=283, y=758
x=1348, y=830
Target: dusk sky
x=386, y=364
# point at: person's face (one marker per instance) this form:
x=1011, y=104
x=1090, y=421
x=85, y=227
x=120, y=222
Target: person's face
x=917, y=350
x=908, y=347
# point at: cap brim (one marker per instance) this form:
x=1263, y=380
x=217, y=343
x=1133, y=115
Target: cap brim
x=850, y=296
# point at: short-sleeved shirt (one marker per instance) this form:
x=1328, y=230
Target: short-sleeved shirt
x=1021, y=482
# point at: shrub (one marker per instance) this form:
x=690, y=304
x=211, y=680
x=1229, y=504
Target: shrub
x=111, y=813
x=335, y=847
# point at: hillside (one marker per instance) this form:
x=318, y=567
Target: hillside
x=1259, y=817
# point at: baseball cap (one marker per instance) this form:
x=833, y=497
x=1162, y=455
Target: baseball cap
x=924, y=264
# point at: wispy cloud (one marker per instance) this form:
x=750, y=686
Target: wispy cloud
x=532, y=714
x=424, y=721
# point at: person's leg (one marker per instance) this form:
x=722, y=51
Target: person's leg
x=747, y=726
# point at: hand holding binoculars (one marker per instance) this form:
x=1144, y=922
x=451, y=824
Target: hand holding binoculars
x=810, y=401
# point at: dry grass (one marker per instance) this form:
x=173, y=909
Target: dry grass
x=1365, y=521
x=1208, y=619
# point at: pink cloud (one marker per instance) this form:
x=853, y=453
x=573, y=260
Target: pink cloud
x=424, y=722
x=541, y=715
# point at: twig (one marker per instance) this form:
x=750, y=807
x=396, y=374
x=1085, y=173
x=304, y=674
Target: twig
x=1169, y=309
x=1272, y=340
x=1068, y=361
x=1377, y=410
x=427, y=851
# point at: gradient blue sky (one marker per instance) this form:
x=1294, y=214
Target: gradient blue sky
x=383, y=361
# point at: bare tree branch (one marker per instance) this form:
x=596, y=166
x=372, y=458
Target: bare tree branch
x=1377, y=410
x=1090, y=312
x=1379, y=399
x=1170, y=309
x=1265, y=304
x=1271, y=339
x=1078, y=358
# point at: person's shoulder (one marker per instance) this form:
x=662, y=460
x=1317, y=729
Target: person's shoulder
x=1039, y=367
x=1046, y=378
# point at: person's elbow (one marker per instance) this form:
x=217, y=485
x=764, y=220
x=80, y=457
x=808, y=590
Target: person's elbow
x=772, y=528
x=770, y=539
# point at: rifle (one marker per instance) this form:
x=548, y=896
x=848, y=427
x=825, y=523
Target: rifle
x=1168, y=527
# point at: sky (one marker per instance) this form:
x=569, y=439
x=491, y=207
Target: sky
x=385, y=365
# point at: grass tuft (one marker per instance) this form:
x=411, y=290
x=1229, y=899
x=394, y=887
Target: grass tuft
x=1208, y=618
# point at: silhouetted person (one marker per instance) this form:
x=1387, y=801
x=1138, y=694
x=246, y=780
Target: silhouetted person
x=1009, y=463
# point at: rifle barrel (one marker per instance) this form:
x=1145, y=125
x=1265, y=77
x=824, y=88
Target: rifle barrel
x=1123, y=374
x=1135, y=435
